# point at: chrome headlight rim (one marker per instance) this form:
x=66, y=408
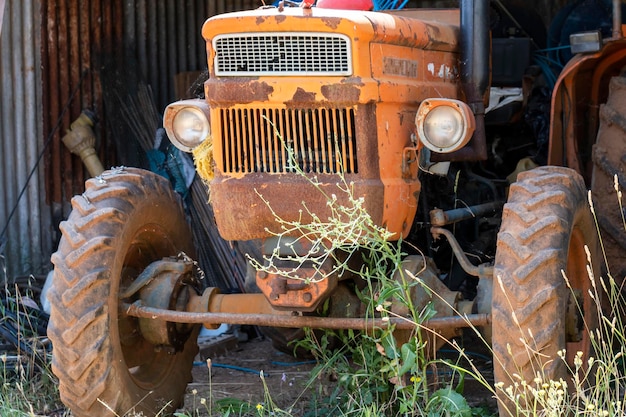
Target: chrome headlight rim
x=457, y=110
x=187, y=134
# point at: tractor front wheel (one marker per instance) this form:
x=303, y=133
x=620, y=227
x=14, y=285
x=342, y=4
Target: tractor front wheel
x=125, y=220
x=537, y=312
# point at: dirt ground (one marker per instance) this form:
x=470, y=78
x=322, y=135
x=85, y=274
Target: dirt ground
x=236, y=375
x=287, y=378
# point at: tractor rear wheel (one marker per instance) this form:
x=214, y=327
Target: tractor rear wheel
x=546, y=225
x=608, y=157
x=125, y=220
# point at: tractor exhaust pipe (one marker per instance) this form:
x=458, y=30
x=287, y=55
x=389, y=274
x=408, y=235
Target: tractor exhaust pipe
x=475, y=47
x=475, y=64
x=617, y=19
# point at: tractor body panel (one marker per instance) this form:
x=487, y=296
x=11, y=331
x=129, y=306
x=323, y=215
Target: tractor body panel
x=333, y=92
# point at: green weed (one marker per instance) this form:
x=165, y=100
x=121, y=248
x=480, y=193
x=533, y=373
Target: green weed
x=28, y=387
x=380, y=371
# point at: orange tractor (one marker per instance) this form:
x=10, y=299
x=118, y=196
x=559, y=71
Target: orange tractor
x=299, y=102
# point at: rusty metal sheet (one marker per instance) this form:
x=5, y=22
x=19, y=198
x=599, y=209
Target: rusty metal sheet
x=75, y=36
x=24, y=223
x=82, y=37
x=53, y=52
x=79, y=37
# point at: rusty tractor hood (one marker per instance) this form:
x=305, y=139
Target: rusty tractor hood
x=340, y=90
x=383, y=45
x=429, y=29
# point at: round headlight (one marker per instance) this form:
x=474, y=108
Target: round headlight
x=190, y=127
x=444, y=125
x=187, y=123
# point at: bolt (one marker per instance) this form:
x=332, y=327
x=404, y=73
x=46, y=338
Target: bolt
x=261, y=274
x=307, y=297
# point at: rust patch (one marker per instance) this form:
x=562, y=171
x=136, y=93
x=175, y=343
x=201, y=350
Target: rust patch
x=280, y=18
x=434, y=35
x=345, y=92
x=332, y=22
x=432, y=29
x=301, y=96
x=260, y=20
x=354, y=80
x=239, y=91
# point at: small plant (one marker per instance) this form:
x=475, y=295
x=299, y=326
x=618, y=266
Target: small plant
x=28, y=385
x=199, y=405
x=381, y=371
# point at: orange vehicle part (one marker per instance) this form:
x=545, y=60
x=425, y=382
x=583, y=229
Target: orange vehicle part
x=358, y=124
x=578, y=93
x=304, y=293
x=212, y=318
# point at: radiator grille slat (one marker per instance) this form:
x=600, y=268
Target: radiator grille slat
x=293, y=53
x=262, y=140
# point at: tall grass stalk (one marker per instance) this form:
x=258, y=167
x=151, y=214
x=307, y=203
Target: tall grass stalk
x=598, y=384
x=28, y=385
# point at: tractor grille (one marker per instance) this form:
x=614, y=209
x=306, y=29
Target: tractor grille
x=282, y=54
x=278, y=140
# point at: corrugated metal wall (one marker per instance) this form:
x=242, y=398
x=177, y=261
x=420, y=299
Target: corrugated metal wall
x=95, y=53
x=76, y=36
x=54, y=55
x=101, y=49
x=165, y=37
x=27, y=234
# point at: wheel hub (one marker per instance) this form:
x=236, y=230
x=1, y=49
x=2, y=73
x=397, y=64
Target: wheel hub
x=168, y=289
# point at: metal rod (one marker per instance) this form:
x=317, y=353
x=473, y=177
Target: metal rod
x=440, y=217
x=617, y=19
x=482, y=271
x=138, y=310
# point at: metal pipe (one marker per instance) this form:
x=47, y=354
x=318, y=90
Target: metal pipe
x=440, y=217
x=617, y=19
x=475, y=77
x=475, y=51
x=138, y=310
x=482, y=271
